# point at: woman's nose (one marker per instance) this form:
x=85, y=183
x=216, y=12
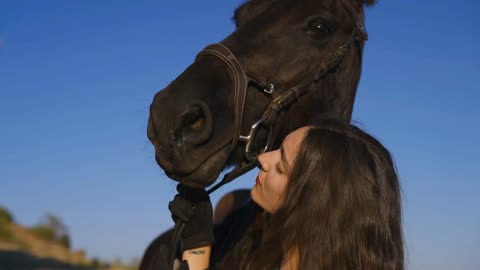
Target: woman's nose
x=259, y=165
x=262, y=162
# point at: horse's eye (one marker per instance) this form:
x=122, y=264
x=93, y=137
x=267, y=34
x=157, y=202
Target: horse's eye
x=318, y=29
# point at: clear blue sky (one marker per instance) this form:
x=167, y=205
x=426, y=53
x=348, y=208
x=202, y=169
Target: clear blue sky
x=77, y=78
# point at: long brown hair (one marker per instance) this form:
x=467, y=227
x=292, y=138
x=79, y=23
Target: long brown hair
x=341, y=209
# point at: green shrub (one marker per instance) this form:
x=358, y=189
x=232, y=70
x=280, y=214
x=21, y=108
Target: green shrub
x=53, y=230
x=65, y=241
x=5, y=233
x=5, y=215
x=43, y=232
x=6, y=218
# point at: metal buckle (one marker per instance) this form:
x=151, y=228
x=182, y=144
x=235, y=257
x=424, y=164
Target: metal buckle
x=249, y=140
x=269, y=88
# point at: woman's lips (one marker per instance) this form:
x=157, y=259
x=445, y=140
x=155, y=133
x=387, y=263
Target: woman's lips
x=257, y=181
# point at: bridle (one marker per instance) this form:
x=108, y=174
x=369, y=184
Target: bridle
x=280, y=101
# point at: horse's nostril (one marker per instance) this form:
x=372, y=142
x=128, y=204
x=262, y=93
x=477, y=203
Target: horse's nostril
x=195, y=125
x=193, y=119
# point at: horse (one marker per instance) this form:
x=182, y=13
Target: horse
x=286, y=62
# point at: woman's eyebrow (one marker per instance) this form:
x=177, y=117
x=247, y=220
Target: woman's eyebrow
x=284, y=159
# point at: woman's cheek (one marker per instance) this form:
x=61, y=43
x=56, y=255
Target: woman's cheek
x=278, y=187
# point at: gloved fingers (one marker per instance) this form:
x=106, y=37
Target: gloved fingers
x=194, y=208
x=181, y=209
x=193, y=194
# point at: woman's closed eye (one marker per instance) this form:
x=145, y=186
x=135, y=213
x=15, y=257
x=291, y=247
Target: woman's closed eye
x=278, y=168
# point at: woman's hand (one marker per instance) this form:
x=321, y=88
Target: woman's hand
x=193, y=208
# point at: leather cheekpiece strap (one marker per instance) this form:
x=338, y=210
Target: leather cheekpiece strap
x=240, y=83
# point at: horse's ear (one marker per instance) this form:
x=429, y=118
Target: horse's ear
x=370, y=2
x=249, y=10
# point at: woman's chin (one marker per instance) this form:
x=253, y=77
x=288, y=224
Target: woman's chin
x=254, y=195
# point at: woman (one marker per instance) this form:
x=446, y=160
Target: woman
x=331, y=200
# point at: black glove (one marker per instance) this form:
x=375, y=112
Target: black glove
x=193, y=207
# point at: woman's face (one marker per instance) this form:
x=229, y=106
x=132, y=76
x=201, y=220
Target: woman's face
x=274, y=174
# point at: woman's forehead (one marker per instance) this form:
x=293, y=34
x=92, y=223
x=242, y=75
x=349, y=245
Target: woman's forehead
x=298, y=134
x=292, y=142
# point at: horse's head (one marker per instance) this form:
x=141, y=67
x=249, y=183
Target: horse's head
x=193, y=121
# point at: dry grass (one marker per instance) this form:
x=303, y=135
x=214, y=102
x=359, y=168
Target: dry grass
x=23, y=250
